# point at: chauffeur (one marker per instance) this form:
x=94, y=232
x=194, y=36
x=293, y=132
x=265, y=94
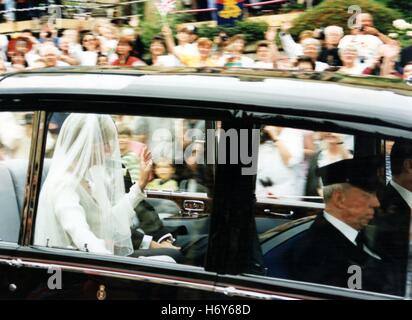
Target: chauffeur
x=335, y=241
x=393, y=227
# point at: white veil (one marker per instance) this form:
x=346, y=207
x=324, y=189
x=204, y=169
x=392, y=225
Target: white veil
x=87, y=160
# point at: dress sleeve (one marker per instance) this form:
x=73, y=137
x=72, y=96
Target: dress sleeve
x=294, y=141
x=123, y=213
x=72, y=219
x=135, y=195
x=291, y=48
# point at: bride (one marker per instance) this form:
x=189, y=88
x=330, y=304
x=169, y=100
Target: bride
x=83, y=204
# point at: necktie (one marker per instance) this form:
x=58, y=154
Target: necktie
x=410, y=228
x=360, y=243
x=360, y=240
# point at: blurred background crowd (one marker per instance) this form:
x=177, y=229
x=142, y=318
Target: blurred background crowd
x=319, y=39
x=286, y=165
x=363, y=49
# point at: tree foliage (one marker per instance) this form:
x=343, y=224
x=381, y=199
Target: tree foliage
x=404, y=6
x=252, y=31
x=332, y=12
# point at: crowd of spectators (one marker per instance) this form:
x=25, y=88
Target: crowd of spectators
x=289, y=158
x=161, y=136
x=286, y=167
x=365, y=51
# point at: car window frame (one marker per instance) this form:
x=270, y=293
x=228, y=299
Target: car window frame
x=295, y=119
x=26, y=254
x=376, y=150
x=36, y=162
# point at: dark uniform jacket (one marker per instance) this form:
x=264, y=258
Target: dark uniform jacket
x=392, y=235
x=149, y=220
x=323, y=255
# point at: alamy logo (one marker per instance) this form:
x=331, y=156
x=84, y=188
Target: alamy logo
x=55, y=280
x=355, y=280
x=55, y=13
x=233, y=147
x=353, y=21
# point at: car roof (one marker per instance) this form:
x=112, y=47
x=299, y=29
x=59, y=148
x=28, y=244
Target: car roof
x=385, y=101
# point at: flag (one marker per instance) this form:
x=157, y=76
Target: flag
x=165, y=6
x=229, y=11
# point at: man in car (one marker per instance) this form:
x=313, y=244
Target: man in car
x=334, y=245
x=393, y=221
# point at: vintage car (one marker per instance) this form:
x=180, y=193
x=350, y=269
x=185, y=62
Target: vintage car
x=238, y=235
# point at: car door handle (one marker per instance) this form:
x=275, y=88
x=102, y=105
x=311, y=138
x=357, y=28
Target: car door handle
x=285, y=215
x=233, y=292
x=16, y=263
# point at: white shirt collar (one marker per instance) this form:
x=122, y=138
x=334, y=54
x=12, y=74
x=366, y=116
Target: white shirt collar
x=405, y=193
x=348, y=232
x=344, y=228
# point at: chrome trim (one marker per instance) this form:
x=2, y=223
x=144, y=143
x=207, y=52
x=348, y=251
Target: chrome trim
x=291, y=202
x=136, y=276
x=33, y=177
x=182, y=194
x=16, y=263
x=188, y=207
x=286, y=215
x=234, y=292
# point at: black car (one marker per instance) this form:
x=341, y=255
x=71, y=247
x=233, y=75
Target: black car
x=234, y=234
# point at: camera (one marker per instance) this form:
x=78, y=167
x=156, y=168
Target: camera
x=321, y=34
x=224, y=37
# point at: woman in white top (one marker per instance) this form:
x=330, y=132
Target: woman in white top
x=91, y=50
x=265, y=55
x=349, y=57
x=83, y=203
x=333, y=149
x=158, y=56
x=281, y=155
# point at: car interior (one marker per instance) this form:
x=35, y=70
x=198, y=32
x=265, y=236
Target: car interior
x=173, y=208
x=280, y=222
x=13, y=176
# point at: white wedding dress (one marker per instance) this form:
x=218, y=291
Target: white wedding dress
x=83, y=204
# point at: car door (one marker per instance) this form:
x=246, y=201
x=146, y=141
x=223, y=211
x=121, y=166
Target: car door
x=280, y=234
x=16, y=127
x=41, y=272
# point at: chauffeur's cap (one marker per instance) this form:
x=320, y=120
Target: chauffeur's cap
x=359, y=172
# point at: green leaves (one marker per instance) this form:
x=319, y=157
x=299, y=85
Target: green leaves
x=332, y=12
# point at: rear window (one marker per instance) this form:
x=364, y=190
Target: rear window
x=15, y=143
x=335, y=208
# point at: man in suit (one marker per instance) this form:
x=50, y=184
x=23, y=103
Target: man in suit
x=149, y=229
x=335, y=241
x=392, y=223
x=187, y=249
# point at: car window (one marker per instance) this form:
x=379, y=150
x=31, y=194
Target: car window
x=126, y=185
x=352, y=229
x=15, y=140
x=289, y=157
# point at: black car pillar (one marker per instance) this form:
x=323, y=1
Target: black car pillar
x=233, y=243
